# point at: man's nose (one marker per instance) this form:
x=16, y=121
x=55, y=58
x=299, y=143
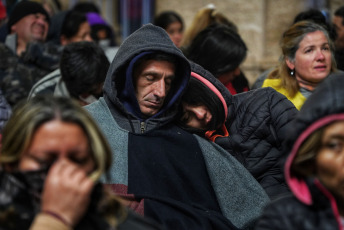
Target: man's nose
x=160, y=88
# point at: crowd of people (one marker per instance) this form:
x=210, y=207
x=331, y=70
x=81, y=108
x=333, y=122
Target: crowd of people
x=164, y=131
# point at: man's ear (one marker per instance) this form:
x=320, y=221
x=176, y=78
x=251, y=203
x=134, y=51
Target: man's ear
x=290, y=63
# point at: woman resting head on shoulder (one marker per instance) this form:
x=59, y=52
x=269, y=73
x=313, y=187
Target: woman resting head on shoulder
x=307, y=59
x=314, y=169
x=250, y=126
x=52, y=157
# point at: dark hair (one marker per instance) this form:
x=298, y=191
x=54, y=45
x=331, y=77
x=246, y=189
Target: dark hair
x=71, y=23
x=166, y=18
x=218, y=48
x=340, y=13
x=318, y=17
x=199, y=94
x=84, y=66
x=86, y=7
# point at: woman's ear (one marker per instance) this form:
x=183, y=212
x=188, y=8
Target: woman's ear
x=290, y=63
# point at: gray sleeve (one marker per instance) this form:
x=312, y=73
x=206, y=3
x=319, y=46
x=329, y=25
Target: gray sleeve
x=240, y=196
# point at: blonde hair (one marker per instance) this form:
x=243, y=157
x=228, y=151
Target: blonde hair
x=205, y=17
x=289, y=44
x=28, y=116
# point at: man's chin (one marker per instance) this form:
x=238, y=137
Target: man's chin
x=148, y=112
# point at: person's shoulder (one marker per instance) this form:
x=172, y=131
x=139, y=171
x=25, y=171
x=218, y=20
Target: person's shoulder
x=46, y=85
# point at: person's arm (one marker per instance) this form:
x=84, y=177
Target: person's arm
x=45, y=221
x=66, y=194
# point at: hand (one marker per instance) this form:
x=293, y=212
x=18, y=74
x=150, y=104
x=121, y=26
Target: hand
x=67, y=191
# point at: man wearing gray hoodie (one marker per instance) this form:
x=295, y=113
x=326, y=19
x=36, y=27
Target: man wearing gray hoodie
x=176, y=178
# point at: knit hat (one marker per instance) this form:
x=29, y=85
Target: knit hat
x=23, y=9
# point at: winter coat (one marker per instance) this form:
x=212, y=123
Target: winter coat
x=51, y=84
x=256, y=122
x=298, y=100
x=19, y=74
x=311, y=206
x=180, y=180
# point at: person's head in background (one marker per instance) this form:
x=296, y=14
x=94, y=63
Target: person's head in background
x=173, y=24
x=30, y=22
x=220, y=50
x=47, y=129
x=84, y=66
x=86, y=7
x=101, y=31
x=307, y=57
x=318, y=17
x=338, y=22
x=75, y=28
x=205, y=17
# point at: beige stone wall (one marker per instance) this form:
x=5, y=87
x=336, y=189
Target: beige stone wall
x=260, y=22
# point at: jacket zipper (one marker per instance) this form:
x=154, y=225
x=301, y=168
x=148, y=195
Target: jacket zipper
x=142, y=127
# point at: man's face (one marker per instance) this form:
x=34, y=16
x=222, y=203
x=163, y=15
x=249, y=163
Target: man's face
x=152, y=81
x=338, y=25
x=31, y=28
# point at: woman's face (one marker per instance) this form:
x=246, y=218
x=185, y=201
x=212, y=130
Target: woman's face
x=175, y=31
x=54, y=140
x=312, y=59
x=330, y=159
x=196, y=116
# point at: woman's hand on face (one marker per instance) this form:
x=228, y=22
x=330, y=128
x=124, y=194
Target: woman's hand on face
x=67, y=191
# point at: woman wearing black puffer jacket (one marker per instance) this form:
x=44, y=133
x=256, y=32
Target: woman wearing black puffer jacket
x=314, y=169
x=250, y=126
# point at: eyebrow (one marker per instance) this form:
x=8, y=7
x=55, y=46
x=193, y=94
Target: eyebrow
x=335, y=136
x=157, y=74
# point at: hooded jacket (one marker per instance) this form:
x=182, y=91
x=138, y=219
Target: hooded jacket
x=311, y=206
x=256, y=122
x=178, y=179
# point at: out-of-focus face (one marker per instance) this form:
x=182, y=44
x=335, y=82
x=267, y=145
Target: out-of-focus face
x=31, y=28
x=312, y=62
x=57, y=139
x=153, y=80
x=83, y=34
x=196, y=116
x=338, y=25
x=330, y=159
x=229, y=76
x=175, y=31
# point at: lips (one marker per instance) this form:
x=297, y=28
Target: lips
x=153, y=104
x=320, y=67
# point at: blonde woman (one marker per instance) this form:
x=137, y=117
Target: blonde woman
x=52, y=157
x=307, y=59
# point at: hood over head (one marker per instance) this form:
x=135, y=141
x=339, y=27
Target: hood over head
x=118, y=86
x=323, y=107
x=208, y=79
